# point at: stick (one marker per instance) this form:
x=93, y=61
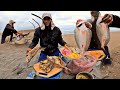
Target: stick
x=32, y=24
x=36, y=22
x=36, y=15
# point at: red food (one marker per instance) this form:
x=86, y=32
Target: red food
x=66, y=51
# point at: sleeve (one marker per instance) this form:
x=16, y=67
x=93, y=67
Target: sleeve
x=116, y=22
x=61, y=41
x=12, y=29
x=35, y=39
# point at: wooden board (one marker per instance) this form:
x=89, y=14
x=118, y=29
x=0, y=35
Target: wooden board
x=98, y=54
x=54, y=71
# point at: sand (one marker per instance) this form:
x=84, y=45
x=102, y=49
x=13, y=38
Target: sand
x=13, y=56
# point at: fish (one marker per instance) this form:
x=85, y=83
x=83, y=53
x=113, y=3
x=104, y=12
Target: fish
x=82, y=35
x=20, y=39
x=103, y=32
x=33, y=52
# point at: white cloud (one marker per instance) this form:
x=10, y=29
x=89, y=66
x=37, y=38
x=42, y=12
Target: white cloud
x=63, y=19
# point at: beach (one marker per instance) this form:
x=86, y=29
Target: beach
x=12, y=56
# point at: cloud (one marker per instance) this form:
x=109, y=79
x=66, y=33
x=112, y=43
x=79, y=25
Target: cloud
x=64, y=19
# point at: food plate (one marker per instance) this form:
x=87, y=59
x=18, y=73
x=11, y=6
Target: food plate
x=98, y=54
x=72, y=52
x=54, y=70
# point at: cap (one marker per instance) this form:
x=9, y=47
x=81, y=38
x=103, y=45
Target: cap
x=46, y=15
x=11, y=21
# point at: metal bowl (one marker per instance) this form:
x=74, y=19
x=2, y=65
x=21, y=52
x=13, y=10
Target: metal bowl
x=83, y=75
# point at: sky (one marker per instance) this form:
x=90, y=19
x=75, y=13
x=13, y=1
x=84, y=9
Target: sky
x=65, y=20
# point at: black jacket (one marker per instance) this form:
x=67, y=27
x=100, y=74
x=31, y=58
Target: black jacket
x=95, y=43
x=9, y=30
x=49, y=39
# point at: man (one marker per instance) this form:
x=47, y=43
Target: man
x=112, y=21
x=49, y=36
x=8, y=31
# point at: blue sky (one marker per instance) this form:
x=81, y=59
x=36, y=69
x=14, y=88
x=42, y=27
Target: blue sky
x=65, y=20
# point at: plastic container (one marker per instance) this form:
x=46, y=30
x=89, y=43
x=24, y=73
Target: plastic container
x=79, y=65
x=57, y=76
x=32, y=75
x=98, y=65
x=65, y=54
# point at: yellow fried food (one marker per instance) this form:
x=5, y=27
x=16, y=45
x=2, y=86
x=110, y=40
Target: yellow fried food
x=45, y=61
x=45, y=65
x=81, y=76
x=47, y=70
x=74, y=55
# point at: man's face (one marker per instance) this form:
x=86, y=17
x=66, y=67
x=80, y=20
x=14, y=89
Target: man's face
x=47, y=21
x=95, y=14
x=13, y=23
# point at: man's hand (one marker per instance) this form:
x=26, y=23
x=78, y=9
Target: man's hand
x=88, y=25
x=28, y=50
x=66, y=46
x=19, y=33
x=107, y=18
x=27, y=57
